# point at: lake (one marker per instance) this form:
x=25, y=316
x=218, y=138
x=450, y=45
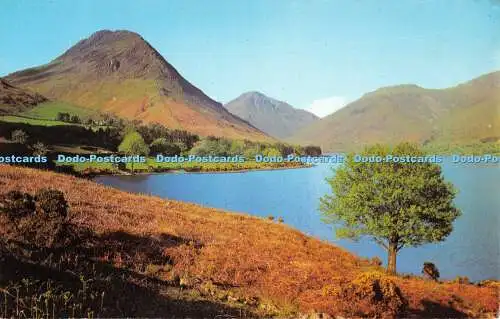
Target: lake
x=472, y=250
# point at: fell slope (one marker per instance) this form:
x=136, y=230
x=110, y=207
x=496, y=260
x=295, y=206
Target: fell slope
x=15, y=100
x=469, y=112
x=274, y=266
x=276, y=118
x=121, y=73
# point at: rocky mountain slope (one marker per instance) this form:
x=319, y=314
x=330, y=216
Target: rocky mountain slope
x=14, y=99
x=276, y=118
x=119, y=72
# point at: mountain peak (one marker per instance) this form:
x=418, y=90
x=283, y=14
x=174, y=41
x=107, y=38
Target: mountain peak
x=120, y=72
x=114, y=49
x=277, y=118
x=259, y=99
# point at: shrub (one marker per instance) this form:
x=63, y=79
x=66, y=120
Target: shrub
x=430, y=271
x=19, y=136
x=39, y=149
x=461, y=280
x=251, y=152
x=376, y=261
x=16, y=204
x=39, y=221
x=162, y=146
x=376, y=294
x=75, y=119
x=51, y=202
x=490, y=283
x=120, y=166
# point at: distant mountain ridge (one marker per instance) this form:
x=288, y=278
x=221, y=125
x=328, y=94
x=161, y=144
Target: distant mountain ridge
x=276, y=118
x=466, y=113
x=121, y=73
x=14, y=99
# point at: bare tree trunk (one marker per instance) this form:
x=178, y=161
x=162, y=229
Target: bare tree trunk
x=391, y=258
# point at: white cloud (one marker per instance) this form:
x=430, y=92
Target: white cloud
x=326, y=106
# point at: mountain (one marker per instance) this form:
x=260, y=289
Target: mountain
x=119, y=72
x=14, y=99
x=467, y=113
x=276, y=118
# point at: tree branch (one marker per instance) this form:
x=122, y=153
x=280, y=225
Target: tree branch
x=380, y=242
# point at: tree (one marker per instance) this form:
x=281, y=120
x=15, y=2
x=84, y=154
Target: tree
x=39, y=149
x=237, y=147
x=162, y=146
x=64, y=117
x=271, y=152
x=133, y=144
x=19, y=136
x=395, y=204
x=251, y=152
x=430, y=270
x=75, y=119
x=211, y=146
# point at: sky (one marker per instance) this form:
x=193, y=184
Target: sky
x=314, y=54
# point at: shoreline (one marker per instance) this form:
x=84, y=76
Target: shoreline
x=183, y=171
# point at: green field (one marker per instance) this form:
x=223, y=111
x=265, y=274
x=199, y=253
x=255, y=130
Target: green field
x=31, y=121
x=49, y=110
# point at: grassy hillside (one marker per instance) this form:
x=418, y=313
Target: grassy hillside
x=14, y=99
x=158, y=257
x=31, y=121
x=49, y=110
x=465, y=114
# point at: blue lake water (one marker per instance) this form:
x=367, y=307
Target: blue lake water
x=473, y=248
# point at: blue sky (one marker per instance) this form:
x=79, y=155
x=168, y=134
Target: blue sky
x=313, y=54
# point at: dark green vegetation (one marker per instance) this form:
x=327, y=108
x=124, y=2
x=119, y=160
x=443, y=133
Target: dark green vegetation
x=104, y=133
x=396, y=204
x=465, y=117
x=276, y=118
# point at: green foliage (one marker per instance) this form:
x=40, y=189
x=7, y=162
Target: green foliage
x=75, y=119
x=133, y=144
x=251, y=152
x=19, y=136
x=271, y=152
x=396, y=204
x=162, y=146
x=64, y=117
x=50, y=110
x=31, y=121
x=212, y=146
x=154, y=131
x=237, y=147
